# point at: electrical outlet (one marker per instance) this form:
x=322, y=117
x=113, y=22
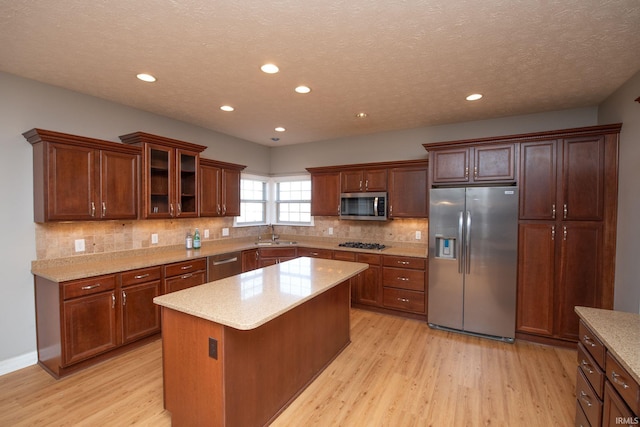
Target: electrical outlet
x=154, y=239
x=206, y=233
x=418, y=235
x=79, y=245
x=225, y=231
x=330, y=231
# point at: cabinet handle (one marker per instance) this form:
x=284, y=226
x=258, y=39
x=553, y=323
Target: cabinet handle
x=586, y=365
x=466, y=173
x=179, y=205
x=403, y=262
x=564, y=232
x=141, y=276
x=113, y=300
x=104, y=209
x=360, y=185
x=403, y=299
x=89, y=287
x=93, y=209
x=614, y=378
x=475, y=172
x=226, y=261
x=257, y=255
x=314, y=253
x=585, y=398
x=366, y=185
x=186, y=276
x=565, y=211
x=218, y=210
x=124, y=298
x=338, y=209
x=403, y=279
x=587, y=340
x=224, y=209
x=186, y=267
x=553, y=211
x=553, y=232
x=171, y=210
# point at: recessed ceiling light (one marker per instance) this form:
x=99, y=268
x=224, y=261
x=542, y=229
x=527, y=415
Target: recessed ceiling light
x=270, y=68
x=280, y=129
x=146, y=77
x=303, y=89
x=361, y=115
x=227, y=108
x=474, y=97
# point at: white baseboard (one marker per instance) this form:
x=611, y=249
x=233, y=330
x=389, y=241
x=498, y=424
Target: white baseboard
x=18, y=362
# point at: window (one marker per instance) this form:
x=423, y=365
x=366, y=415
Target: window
x=293, y=202
x=253, y=201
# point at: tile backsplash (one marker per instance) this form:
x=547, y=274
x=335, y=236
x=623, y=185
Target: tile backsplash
x=57, y=240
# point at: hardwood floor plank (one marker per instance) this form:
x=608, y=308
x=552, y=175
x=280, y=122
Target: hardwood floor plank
x=395, y=372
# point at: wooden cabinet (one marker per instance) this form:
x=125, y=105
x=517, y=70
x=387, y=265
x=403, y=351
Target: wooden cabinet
x=271, y=256
x=568, y=208
x=185, y=274
x=408, y=189
x=325, y=194
x=404, y=283
x=219, y=188
x=170, y=170
x=367, y=287
x=315, y=253
x=358, y=180
x=471, y=164
x=140, y=316
x=250, y=260
x=79, y=178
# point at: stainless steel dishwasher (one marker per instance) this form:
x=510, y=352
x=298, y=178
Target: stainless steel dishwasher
x=224, y=265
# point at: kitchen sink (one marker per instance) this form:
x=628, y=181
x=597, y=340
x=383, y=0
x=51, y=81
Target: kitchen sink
x=275, y=243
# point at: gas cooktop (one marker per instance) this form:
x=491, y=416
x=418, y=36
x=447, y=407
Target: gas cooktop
x=361, y=245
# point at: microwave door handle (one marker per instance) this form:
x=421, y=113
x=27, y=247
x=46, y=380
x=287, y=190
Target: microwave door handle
x=375, y=206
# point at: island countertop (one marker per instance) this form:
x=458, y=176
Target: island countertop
x=249, y=300
x=619, y=331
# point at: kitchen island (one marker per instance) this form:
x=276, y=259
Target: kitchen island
x=238, y=350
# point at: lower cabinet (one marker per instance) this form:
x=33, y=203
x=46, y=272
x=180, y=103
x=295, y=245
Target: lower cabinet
x=271, y=256
x=250, y=259
x=403, y=283
x=140, y=316
x=367, y=287
x=184, y=274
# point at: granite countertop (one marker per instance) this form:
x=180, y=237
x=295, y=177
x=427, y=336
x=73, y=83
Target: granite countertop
x=619, y=331
x=250, y=299
x=83, y=266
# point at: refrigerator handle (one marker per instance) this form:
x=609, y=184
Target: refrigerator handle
x=459, y=253
x=467, y=244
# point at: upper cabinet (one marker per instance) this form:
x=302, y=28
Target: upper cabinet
x=359, y=180
x=408, y=190
x=325, y=193
x=467, y=162
x=219, y=188
x=79, y=178
x=170, y=169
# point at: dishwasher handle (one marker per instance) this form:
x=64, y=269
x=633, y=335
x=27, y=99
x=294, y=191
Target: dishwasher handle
x=226, y=261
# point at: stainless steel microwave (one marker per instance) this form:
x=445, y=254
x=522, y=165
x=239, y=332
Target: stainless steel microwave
x=363, y=206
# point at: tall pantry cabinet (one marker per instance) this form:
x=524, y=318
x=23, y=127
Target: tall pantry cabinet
x=568, y=206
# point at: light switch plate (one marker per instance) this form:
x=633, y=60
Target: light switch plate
x=418, y=235
x=79, y=245
x=206, y=233
x=330, y=231
x=225, y=231
x=154, y=239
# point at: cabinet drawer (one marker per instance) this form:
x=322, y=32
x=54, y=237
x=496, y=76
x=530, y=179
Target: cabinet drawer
x=623, y=383
x=591, y=370
x=278, y=252
x=590, y=342
x=315, y=253
x=180, y=268
x=142, y=275
x=588, y=400
x=90, y=286
x=369, y=258
x=344, y=255
x=581, y=418
x=403, y=300
x=184, y=281
x=403, y=279
x=404, y=262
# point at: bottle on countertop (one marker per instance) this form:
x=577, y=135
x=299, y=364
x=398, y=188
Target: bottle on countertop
x=189, y=240
x=196, y=239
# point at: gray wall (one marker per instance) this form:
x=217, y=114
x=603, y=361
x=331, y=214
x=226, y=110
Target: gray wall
x=621, y=107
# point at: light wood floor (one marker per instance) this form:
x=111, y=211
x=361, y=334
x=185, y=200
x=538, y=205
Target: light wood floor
x=396, y=372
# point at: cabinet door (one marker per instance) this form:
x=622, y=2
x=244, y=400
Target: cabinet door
x=230, y=192
x=186, y=203
x=375, y=180
x=89, y=326
x=616, y=412
x=449, y=165
x=408, y=193
x=73, y=178
x=538, y=184
x=536, y=278
x=580, y=276
x=158, y=182
x=140, y=316
x=325, y=194
x=369, y=289
x=494, y=163
x=583, y=179
x=118, y=185
x=210, y=178
x=250, y=260
x=351, y=181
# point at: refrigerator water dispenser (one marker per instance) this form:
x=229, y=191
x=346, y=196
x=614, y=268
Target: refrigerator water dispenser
x=446, y=247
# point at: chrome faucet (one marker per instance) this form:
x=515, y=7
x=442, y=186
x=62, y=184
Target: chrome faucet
x=273, y=233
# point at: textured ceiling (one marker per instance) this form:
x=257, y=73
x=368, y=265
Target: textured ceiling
x=406, y=63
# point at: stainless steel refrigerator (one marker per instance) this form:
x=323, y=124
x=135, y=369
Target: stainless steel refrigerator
x=473, y=243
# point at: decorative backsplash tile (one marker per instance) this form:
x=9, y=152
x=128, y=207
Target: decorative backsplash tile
x=57, y=240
